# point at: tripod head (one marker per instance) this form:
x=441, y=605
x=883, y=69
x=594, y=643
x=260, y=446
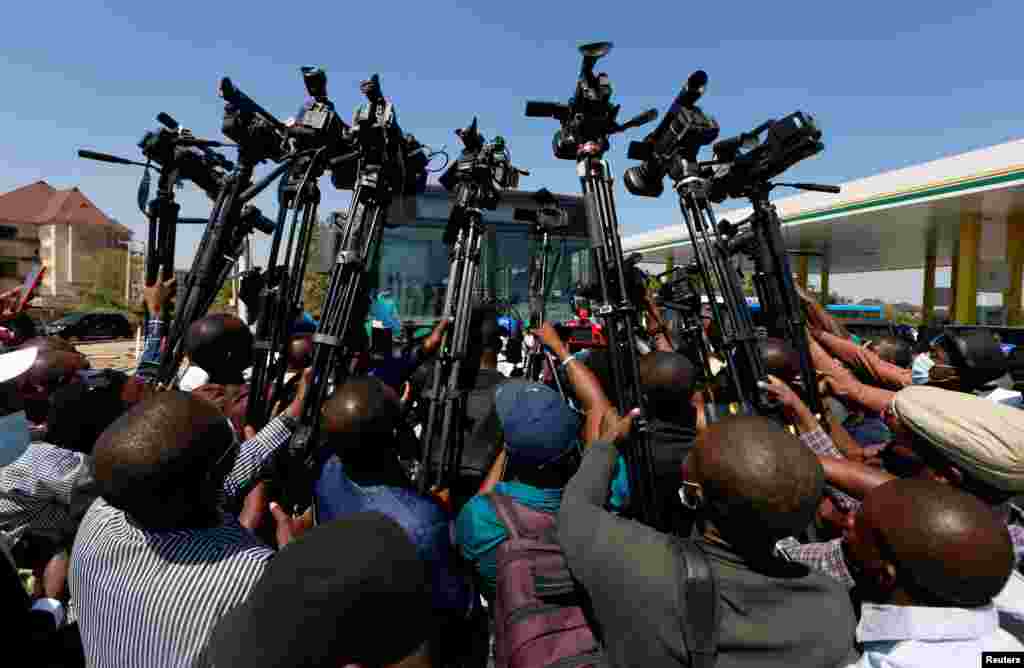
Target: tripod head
x=479, y=175
x=747, y=163
x=672, y=148
x=258, y=133
x=589, y=118
x=548, y=217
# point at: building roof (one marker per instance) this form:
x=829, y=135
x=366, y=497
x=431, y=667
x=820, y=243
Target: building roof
x=41, y=204
x=885, y=221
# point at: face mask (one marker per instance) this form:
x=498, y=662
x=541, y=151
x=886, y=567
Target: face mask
x=923, y=364
x=14, y=437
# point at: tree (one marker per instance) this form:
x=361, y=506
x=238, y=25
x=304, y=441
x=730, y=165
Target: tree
x=314, y=284
x=104, y=273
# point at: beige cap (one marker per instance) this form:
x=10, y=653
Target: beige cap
x=982, y=438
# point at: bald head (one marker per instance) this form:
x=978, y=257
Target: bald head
x=780, y=359
x=221, y=345
x=760, y=483
x=945, y=544
x=667, y=380
x=155, y=460
x=360, y=413
x=300, y=352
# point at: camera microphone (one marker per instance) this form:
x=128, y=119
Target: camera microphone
x=694, y=89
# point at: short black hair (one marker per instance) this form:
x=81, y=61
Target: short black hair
x=894, y=349
x=220, y=344
x=668, y=381
x=760, y=482
x=80, y=412
x=158, y=448
x=361, y=414
x=484, y=330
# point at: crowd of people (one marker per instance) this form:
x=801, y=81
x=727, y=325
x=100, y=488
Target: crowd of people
x=880, y=531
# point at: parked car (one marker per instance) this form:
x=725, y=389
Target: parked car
x=90, y=326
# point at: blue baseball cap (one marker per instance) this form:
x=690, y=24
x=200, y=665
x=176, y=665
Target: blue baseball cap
x=538, y=425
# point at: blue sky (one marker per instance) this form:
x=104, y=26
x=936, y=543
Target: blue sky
x=891, y=83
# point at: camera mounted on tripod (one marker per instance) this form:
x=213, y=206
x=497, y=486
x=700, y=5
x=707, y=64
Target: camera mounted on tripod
x=672, y=148
x=747, y=163
x=193, y=158
x=485, y=169
x=589, y=117
x=678, y=290
x=259, y=135
x=549, y=217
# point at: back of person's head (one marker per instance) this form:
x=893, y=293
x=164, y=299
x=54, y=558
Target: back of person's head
x=539, y=430
x=939, y=545
x=894, y=349
x=780, y=358
x=760, y=483
x=80, y=412
x=349, y=593
x=221, y=345
x=300, y=352
x=484, y=330
x=360, y=415
x=51, y=370
x=164, y=460
x=668, y=381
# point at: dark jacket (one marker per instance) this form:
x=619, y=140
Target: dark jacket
x=777, y=614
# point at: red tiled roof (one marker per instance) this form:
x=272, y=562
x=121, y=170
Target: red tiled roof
x=41, y=204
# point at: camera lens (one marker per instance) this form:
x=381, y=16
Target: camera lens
x=644, y=180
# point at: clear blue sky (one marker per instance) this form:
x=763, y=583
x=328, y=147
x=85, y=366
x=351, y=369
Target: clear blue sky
x=891, y=83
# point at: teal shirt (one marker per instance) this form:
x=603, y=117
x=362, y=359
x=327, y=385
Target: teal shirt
x=479, y=532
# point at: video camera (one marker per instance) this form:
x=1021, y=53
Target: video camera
x=678, y=290
x=747, y=162
x=672, y=148
x=191, y=157
x=252, y=127
x=548, y=217
x=483, y=170
x=589, y=117
x=636, y=283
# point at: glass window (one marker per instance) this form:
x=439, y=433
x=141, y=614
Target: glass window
x=411, y=272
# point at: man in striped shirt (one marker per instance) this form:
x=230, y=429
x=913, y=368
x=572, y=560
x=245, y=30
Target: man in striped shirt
x=156, y=563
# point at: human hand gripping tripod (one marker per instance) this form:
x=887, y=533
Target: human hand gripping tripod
x=380, y=151
x=746, y=167
x=258, y=138
x=586, y=124
x=179, y=155
x=476, y=180
x=672, y=150
x=314, y=139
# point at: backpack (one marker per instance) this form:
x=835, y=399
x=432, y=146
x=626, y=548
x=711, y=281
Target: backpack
x=538, y=622
x=537, y=618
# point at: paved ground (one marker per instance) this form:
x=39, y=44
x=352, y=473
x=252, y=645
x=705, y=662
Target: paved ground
x=110, y=354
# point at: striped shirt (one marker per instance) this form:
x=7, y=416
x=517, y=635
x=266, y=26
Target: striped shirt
x=150, y=599
x=37, y=489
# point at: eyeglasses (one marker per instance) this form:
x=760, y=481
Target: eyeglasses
x=691, y=494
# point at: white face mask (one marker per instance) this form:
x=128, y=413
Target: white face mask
x=14, y=437
x=921, y=369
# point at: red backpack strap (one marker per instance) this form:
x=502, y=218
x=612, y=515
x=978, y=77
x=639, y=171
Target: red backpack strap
x=504, y=508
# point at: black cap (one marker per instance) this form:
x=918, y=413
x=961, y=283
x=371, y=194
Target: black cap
x=352, y=591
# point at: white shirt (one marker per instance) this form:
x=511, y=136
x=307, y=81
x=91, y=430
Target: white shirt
x=192, y=378
x=908, y=636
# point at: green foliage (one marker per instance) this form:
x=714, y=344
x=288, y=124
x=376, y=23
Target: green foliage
x=314, y=284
